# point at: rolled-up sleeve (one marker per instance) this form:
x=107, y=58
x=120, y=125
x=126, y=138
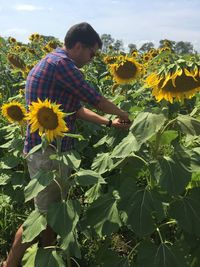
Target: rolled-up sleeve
x=71, y=79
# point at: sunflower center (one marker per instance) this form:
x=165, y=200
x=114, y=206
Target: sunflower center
x=183, y=84
x=127, y=70
x=15, y=113
x=47, y=118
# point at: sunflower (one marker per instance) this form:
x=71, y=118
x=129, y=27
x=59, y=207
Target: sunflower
x=14, y=112
x=183, y=82
x=47, y=118
x=125, y=70
x=16, y=61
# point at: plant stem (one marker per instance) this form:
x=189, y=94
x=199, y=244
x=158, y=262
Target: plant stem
x=68, y=260
x=159, y=233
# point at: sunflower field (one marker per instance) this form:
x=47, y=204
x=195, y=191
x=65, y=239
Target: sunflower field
x=134, y=195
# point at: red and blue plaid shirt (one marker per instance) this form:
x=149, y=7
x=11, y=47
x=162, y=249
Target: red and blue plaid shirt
x=57, y=78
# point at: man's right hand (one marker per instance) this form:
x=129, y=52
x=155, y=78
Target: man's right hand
x=122, y=124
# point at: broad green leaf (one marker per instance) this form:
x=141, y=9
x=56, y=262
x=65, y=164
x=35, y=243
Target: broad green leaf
x=102, y=163
x=174, y=174
x=164, y=255
x=103, y=215
x=63, y=217
x=72, y=159
x=37, y=184
x=93, y=193
x=9, y=162
x=18, y=178
x=168, y=136
x=101, y=141
x=34, y=149
x=48, y=258
x=77, y=136
x=195, y=159
x=29, y=256
x=188, y=125
x=186, y=211
x=88, y=177
x=70, y=243
x=7, y=144
x=125, y=147
x=146, y=125
x=140, y=209
x=33, y=226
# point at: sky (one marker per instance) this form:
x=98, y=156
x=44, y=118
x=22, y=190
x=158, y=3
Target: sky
x=131, y=21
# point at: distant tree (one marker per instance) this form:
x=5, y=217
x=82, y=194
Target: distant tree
x=118, y=45
x=132, y=47
x=168, y=43
x=107, y=40
x=184, y=48
x=146, y=47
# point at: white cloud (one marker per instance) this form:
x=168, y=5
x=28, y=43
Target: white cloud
x=17, y=31
x=28, y=8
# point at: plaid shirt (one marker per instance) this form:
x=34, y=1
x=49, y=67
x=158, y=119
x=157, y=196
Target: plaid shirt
x=57, y=78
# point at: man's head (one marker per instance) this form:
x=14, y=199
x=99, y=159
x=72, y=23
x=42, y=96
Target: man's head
x=82, y=42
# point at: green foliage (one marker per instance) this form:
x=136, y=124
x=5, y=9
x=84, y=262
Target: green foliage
x=133, y=197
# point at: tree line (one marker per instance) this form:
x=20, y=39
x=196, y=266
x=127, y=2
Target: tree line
x=180, y=47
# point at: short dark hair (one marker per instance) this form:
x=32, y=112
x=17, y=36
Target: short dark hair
x=83, y=33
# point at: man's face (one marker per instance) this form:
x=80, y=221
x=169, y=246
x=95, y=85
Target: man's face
x=86, y=54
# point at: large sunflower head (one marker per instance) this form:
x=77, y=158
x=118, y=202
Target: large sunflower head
x=175, y=83
x=16, y=61
x=125, y=70
x=47, y=118
x=14, y=112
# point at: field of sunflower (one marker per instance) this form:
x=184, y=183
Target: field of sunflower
x=134, y=196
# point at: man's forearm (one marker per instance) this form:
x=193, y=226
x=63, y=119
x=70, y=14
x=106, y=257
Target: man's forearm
x=108, y=107
x=88, y=115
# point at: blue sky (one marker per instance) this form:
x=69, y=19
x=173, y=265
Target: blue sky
x=127, y=20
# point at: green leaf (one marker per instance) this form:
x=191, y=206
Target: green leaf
x=34, y=149
x=40, y=180
x=168, y=136
x=33, y=226
x=18, y=178
x=48, y=258
x=125, y=147
x=146, y=125
x=174, y=173
x=102, y=162
x=186, y=211
x=70, y=243
x=72, y=159
x=63, y=217
x=77, y=136
x=140, y=209
x=93, y=193
x=195, y=159
x=4, y=178
x=164, y=255
x=87, y=177
x=9, y=162
x=188, y=125
x=29, y=256
x=103, y=215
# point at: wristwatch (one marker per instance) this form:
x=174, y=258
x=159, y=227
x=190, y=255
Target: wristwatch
x=109, y=123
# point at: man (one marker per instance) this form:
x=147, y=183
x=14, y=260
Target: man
x=58, y=78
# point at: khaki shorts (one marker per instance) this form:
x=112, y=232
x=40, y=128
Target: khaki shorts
x=50, y=194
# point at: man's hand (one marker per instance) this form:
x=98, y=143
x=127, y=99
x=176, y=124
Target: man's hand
x=122, y=124
x=124, y=116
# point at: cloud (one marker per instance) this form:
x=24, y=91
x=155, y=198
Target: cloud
x=28, y=8
x=17, y=31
